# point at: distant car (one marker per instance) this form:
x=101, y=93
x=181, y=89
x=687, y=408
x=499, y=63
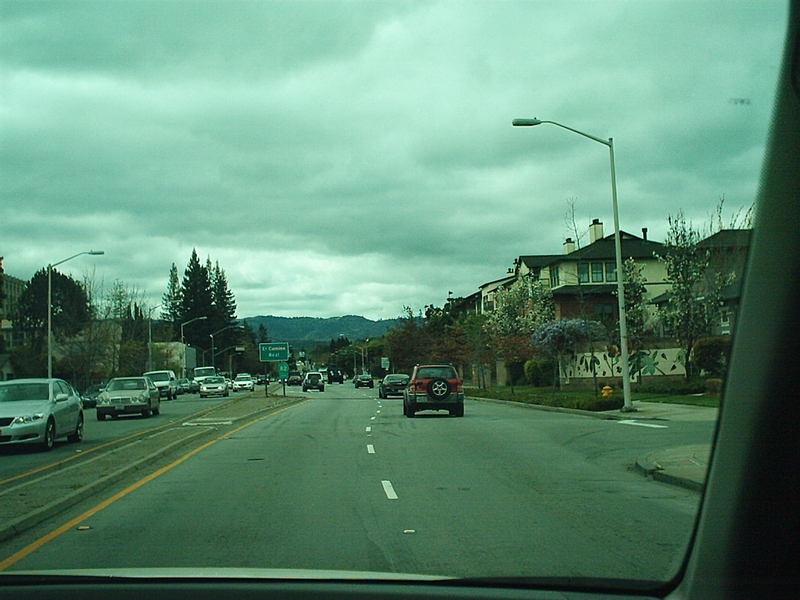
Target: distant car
x=183, y=386
x=294, y=380
x=39, y=411
x=214, y=386
x=89, y=396
x=128, y=395
x=194, y=386
x=243, y=382
x=393, y=385
x=335, y=375
x=434, y=387
x=363, y=380
x=314, y=380
x=166, y=382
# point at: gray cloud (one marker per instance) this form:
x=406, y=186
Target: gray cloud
x=358, y=157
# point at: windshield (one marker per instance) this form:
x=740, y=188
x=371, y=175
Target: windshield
x=158, y=376
x=126, y=384
x=11, y=392
x=554, y=197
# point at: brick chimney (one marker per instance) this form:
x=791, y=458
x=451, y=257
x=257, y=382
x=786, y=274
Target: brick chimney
x=595, y=231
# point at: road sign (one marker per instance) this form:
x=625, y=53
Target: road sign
x=275, y=351
x=283, y=370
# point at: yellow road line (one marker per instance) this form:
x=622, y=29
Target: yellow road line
x=74, y=522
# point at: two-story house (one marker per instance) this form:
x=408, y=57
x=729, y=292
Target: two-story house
x=584, y=280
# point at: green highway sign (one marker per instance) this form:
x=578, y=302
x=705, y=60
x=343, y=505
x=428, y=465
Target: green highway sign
x=283, y=370
x=273, y=351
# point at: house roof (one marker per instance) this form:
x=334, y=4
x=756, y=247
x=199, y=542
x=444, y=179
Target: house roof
x=631, y=246
x=728, y=238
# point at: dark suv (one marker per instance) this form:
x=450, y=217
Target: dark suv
x=434, y=387
x=335, y=376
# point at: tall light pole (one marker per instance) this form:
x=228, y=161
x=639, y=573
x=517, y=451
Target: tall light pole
x=150, y=336
x=623, y=327
x=50, y=305
x=183, y=342
x=211, y=335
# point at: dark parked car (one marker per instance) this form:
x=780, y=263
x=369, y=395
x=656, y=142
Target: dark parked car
x=393, y=385
x=89, y=397
x=363, y=381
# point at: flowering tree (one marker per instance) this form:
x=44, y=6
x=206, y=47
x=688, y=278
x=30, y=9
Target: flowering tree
x=561, y=337
x=519, y=310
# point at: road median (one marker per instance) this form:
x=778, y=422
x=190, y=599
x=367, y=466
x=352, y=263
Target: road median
x=27, y=501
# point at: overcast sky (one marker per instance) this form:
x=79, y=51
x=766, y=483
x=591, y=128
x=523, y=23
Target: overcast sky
x=358, y=157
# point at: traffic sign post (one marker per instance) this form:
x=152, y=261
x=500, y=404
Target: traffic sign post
x=273, y=351
x=276, y=352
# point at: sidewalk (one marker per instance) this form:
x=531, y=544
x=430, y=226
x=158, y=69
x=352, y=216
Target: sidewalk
x=684, y=466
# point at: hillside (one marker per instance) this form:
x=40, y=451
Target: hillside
x=314, y=329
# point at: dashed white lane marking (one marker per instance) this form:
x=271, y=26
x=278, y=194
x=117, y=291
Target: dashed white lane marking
x=372, y=418
x=640, y=424
x=387, y=487
x=369, y=428
x=370, y=448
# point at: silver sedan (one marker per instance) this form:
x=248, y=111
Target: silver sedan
x=39, y=411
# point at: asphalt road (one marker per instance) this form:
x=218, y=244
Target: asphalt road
x=345, y=481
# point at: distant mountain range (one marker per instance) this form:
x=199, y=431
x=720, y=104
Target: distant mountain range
x=315, y=330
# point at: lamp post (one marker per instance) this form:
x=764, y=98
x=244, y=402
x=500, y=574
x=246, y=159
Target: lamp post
x=50, y=305
x=623, y=328
x=150, y=336
x=183, y=342
x=211, y=335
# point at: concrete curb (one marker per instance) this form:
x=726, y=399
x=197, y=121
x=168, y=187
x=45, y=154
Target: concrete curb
x=573, y=411
x=650, y=469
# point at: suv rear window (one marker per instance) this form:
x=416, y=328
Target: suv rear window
x=430, y=372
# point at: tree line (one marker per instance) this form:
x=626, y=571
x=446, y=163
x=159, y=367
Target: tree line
x=100, y=334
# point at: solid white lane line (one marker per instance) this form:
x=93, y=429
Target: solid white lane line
x=370, y=448
x=640, y=424
x=387, y=487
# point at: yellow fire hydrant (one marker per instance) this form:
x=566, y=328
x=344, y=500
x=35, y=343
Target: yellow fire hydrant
x=607, y=391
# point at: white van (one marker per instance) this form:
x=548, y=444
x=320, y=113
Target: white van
x=166, y=382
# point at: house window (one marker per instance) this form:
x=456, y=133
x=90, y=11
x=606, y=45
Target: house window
x=554, y=277
x=603, y=312
x=597, y=272
x=611, y=271
x=583, y=272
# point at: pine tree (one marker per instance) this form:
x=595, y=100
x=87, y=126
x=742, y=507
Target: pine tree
x=171, y=301
x=196, y=302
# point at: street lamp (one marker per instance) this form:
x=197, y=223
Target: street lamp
x=50, y=305
x=183, y=343
x=150, y=336
x=623, y=328
x=212, y=340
